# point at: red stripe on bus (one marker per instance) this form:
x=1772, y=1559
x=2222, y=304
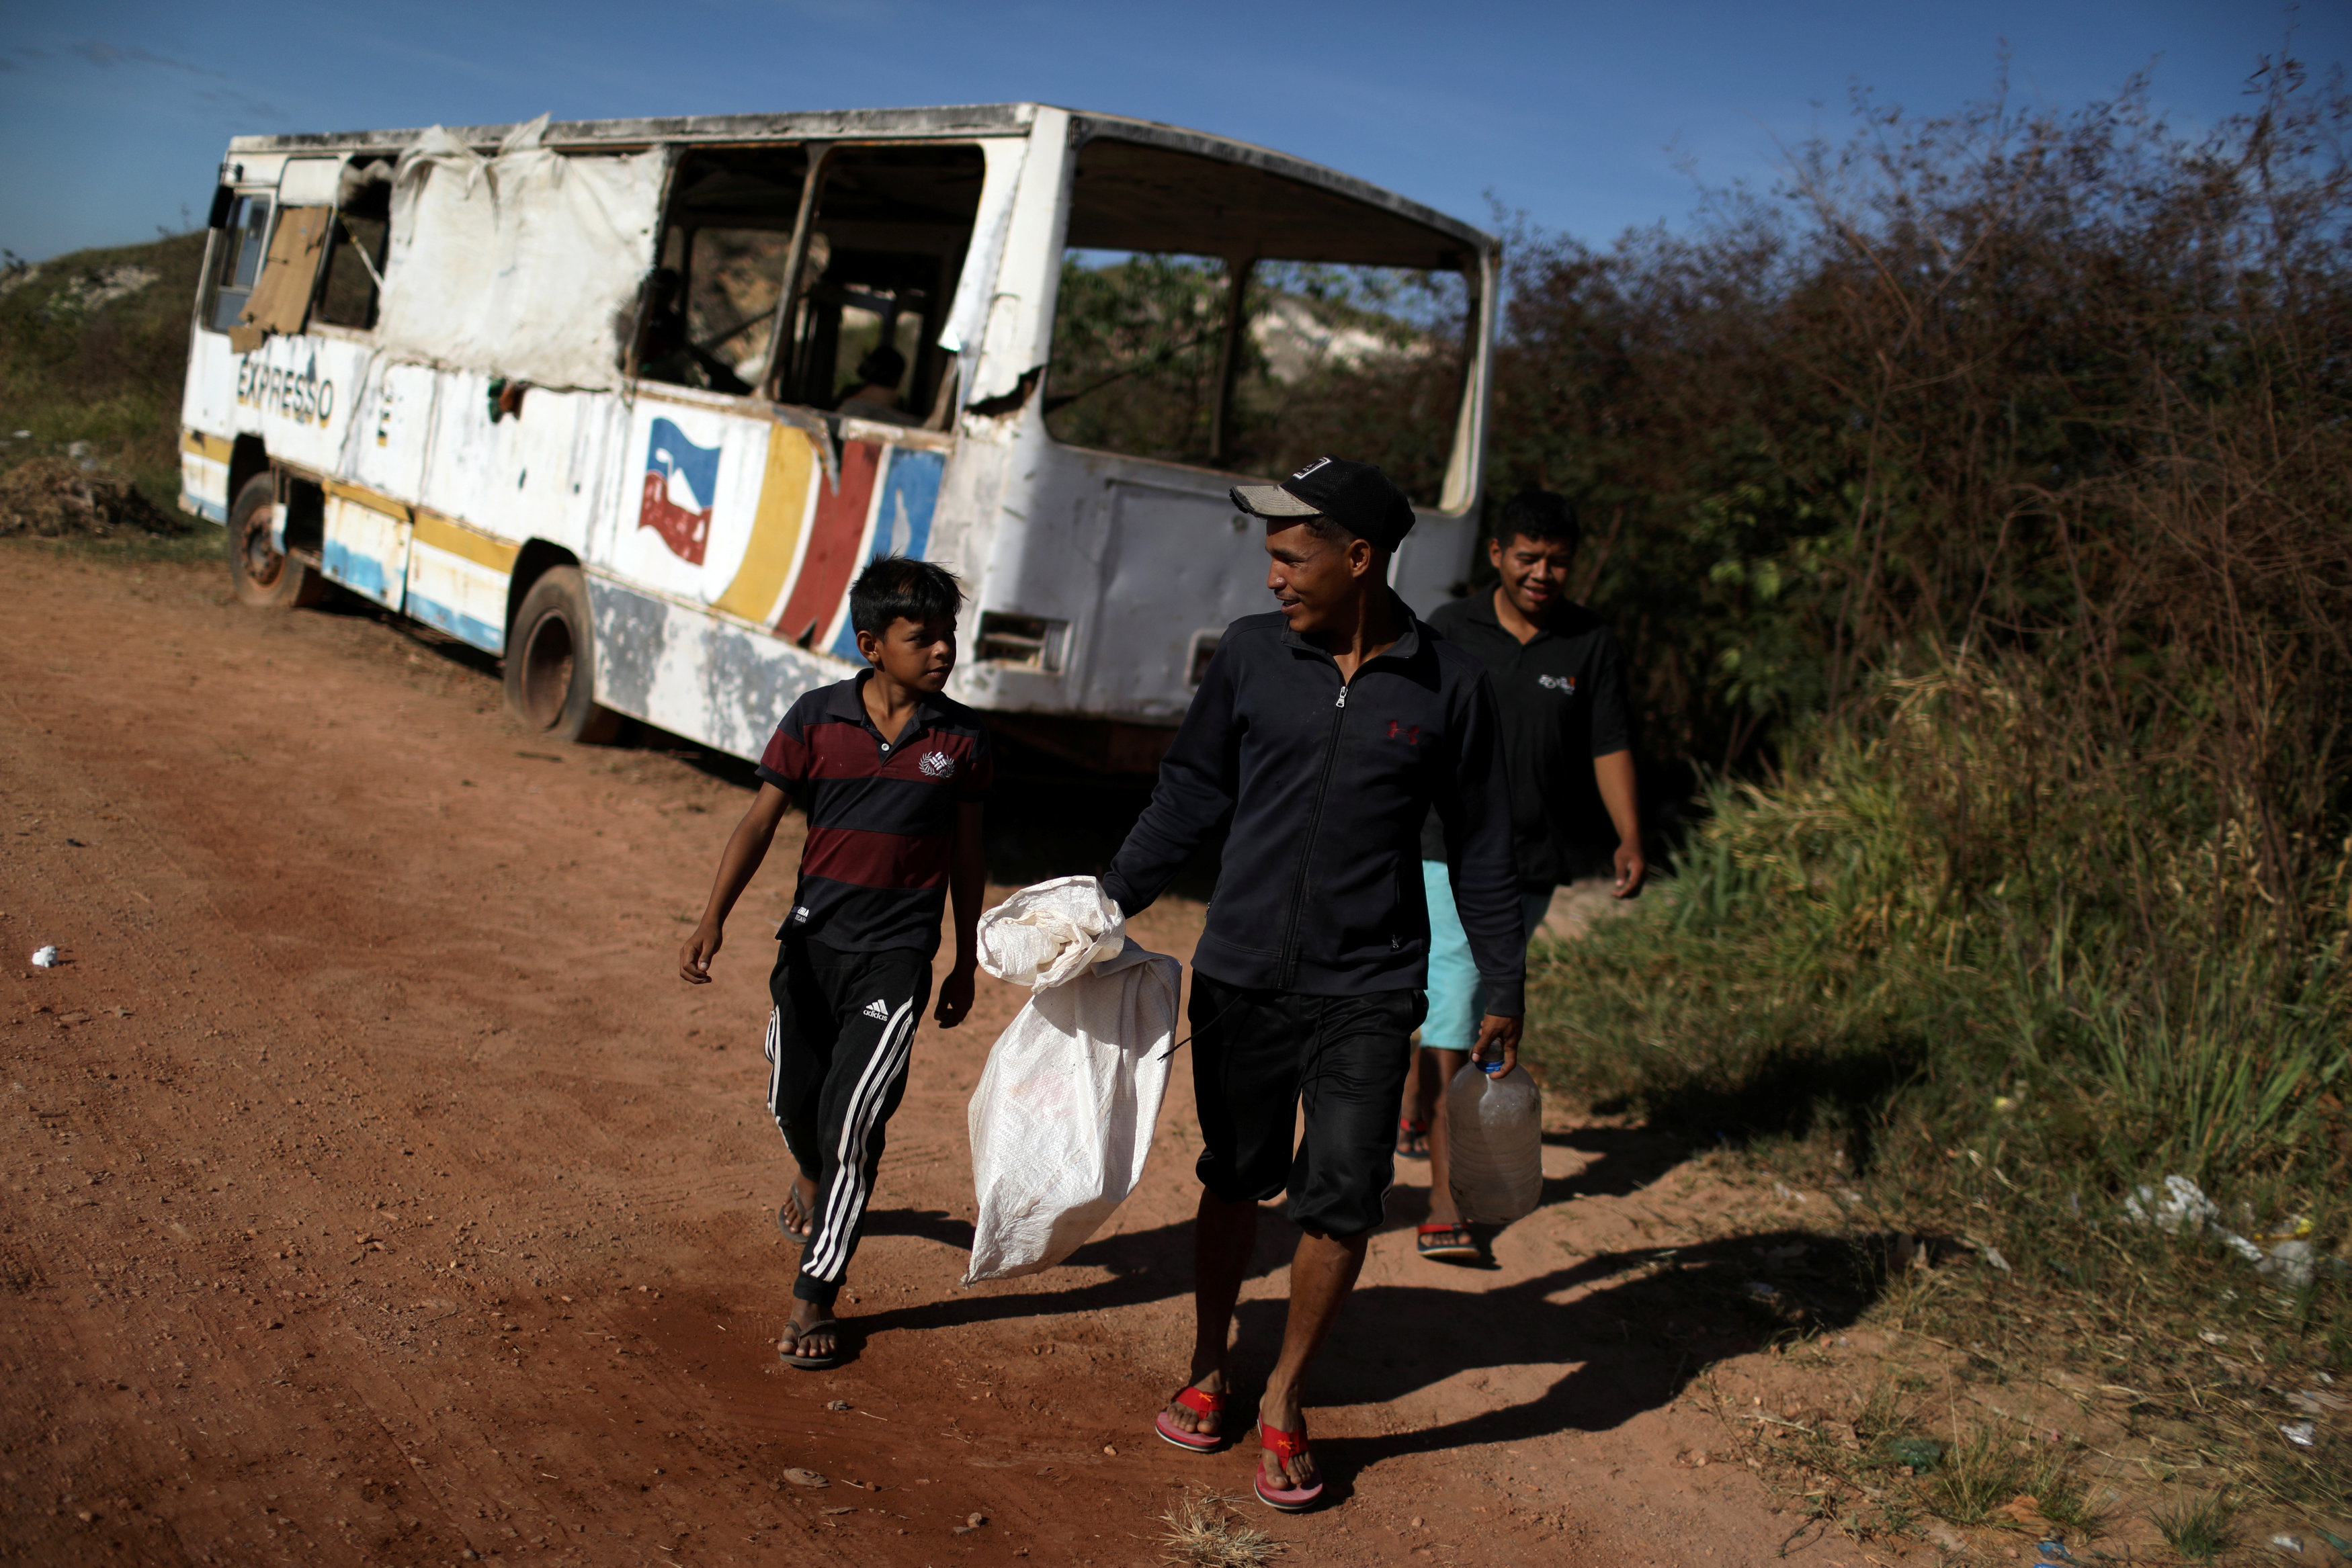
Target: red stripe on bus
x=834, y=538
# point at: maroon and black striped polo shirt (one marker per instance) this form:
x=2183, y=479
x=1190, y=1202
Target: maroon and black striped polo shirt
x=881, y=814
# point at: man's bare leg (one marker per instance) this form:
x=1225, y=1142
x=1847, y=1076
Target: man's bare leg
x=1322, y=1271
x=1222, y=1236
x=1432, y=1070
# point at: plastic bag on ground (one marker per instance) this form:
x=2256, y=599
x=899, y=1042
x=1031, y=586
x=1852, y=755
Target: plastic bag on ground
x=1061, y=1124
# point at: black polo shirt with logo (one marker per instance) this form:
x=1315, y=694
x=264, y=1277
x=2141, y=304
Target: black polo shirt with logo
x=881, y=814
x=1561, y=699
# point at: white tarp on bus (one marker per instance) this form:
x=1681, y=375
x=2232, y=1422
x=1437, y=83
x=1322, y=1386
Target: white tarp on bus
x=524, y=265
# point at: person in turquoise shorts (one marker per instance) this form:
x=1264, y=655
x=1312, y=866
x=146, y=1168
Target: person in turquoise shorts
x=1558, y=679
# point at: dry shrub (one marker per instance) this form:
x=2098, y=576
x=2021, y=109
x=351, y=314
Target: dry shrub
x=51, y=497
x=1204, y=1532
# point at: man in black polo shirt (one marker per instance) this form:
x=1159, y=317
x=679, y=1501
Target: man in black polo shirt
x=1328, y=731
x=1559, y=678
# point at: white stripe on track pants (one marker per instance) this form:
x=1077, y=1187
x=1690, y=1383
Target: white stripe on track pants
x=838, y=1043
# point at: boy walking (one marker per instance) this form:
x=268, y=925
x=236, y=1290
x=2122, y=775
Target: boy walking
x=1558, y=679
x=891, y=776
x=1328, y=730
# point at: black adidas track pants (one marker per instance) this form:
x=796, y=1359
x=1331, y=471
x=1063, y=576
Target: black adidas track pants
x=838, y=1043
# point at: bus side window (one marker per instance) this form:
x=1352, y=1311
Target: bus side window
x=891, y=227
x=710, y=308
x=357, y=242
x=241, y=246
x=1351, y=330
x=886, y=244
x=280, y=298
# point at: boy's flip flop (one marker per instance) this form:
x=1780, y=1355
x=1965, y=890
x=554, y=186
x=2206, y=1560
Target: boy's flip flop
x=1286, y=1446
x=1446, y=1242
x=1201, y=1401
x=1413, y=1139
x=812, y=1363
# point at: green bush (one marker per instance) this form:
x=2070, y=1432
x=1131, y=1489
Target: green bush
x=1939, y=935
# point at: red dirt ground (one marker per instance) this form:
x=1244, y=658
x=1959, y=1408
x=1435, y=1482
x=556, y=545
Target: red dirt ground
x=375, y=1193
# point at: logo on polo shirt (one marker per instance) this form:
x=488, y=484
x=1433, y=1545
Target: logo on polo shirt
x=878, y=1009
x=936, y=765
x=800, y=914
x=1564, y=684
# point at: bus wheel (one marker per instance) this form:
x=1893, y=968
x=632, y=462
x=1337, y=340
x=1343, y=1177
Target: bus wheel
x=551, y=665
x=260, y=574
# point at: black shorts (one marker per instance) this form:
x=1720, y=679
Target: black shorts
x=1259, y=1055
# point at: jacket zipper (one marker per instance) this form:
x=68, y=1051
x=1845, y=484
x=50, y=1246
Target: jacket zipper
x=1306, y=852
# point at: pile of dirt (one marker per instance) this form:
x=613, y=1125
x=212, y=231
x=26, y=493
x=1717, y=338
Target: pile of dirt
x=51, y=498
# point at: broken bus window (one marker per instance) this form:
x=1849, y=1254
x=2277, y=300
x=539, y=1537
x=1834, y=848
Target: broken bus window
x=357, y=242
x=240, y=249
x=886, y=243
x=1351, y=337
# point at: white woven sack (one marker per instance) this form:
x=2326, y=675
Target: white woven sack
x=1061, y=1124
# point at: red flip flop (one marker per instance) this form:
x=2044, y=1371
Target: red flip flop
x=1448, y=1241
x=1286, y=1446
x=1201, y=1401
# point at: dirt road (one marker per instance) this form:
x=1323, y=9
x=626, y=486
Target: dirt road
x=377, y=1194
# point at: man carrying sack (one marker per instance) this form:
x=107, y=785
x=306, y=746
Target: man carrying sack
x=1329, y=729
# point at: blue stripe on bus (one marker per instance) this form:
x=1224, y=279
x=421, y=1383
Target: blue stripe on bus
x=902, y=523
x=347, y=566
x=462, y=627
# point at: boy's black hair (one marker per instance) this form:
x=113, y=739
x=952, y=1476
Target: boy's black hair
x=896, y=586
x=885, y=367
x=1541, y=515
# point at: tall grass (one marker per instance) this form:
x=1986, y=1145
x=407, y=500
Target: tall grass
x=1944, y=938
x=93, y=348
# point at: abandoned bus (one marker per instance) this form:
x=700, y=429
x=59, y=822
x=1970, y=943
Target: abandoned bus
x=629, y=402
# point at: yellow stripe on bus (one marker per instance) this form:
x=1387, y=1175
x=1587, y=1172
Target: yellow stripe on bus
x=368, y=499
x=775, y=525
x=443, y=534
x=197, y=443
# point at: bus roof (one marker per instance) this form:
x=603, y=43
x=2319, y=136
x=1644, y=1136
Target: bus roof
x=1135, y=231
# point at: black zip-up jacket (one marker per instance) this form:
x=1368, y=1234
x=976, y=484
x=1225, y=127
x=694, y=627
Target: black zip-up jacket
x=1328, y=783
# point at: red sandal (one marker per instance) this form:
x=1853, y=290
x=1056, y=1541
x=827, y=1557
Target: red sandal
x=1201, y=1401
x=1286, y=1446
x=1413, y=1139
x=1445, y=1241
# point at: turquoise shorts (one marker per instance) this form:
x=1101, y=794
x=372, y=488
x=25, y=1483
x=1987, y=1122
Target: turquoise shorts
x=1456, y=999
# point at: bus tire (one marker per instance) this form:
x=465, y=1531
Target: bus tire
x=551, y=662
x=258, y=573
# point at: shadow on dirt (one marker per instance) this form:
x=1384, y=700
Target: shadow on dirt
x=1643, y=1324
x=1793, y=1094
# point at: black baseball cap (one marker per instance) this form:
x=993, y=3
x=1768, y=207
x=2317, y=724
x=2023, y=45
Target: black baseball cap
x=1356, y=495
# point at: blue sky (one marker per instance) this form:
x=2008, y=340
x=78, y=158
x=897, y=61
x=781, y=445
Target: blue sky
x=1588, y=118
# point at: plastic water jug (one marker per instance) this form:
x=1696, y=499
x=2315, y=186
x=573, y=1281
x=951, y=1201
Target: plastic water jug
x=1495, y=1144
